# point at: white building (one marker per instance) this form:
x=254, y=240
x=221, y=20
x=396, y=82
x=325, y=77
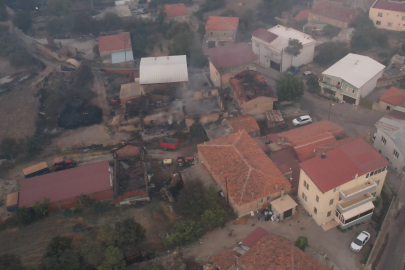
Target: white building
x=351, y=78
x=269, y=46
x=390, y=137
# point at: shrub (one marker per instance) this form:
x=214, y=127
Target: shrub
x=301, y=242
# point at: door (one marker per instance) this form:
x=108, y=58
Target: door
x=275, y=65
x=288, y=213
x=349, y=100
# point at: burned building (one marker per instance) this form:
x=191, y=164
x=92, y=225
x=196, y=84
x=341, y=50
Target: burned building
x=252, y=93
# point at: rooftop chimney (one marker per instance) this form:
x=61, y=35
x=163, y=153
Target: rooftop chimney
x=323, y=155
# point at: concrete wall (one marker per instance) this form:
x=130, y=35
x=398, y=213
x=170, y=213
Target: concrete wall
x=383, y=106
x=317, y=18
x=306, y=56
x=370, y=85
x=387, y=151
x=388, y=16
x=244, y=209
x=220, y=34
x=323, y=206
x=257, y=105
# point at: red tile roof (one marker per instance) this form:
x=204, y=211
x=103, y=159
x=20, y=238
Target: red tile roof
x=305, y=148
x=254, y=237
x=309, y=131
x=341, y=14
x=264, y=35
x=245, y=122
x=231, y=55
x=226, y=259
x=287, y=158
x=117, y=42
x=389, y=5
x=394, y=96
x=65, y=184
x=222, y=23
x=176, y=10
x=250, y=84
x=342, y=164
x=273, y=252
x=248, y=171
x=302, y=15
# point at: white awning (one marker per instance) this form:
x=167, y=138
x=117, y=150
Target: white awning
x=283, y=204
x=358, y=210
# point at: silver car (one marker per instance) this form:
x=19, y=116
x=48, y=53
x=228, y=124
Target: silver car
x=360, y=241
x=302, y=120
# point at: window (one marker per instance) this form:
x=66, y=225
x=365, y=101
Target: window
x=304, y=196
x=349, y=89
x=317, y=198
x=374, y=193
x=261, y=200
x=372, y=173
x=379, y=170
x=368, y=175
x=389, y=24
x=388, y=108
x=378, y=22
x=380, y=14
x=268, y=198
x=396, y=154
x=403, y=18
x=331, y=202
x=329, y=213
x=315, y=210
x=306, y=185
x=384, y=141
x=383, y=169
x=377, y=182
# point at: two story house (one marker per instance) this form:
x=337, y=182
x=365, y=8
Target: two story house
x=390, y=137
x=269, y=46
x=220, y=31
x=388, y=15
x=339, y=186
x=177, y=13
x=351, y=78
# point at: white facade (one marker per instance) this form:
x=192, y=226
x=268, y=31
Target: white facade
x=386, y=146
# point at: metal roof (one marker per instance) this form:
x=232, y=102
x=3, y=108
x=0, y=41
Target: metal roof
x=355, y=69
x=393, y=125
x=35, y=168
x=163, y=69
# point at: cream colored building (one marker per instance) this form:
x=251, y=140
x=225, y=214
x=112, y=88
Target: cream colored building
x=339, y=186
x=388, y=15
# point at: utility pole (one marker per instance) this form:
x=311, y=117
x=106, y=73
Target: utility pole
x=330, y=108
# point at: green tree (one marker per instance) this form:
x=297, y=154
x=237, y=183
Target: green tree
x=83, y=76
x=301, y=242
x=8, y=45
x=114, y=259
x=58, y=7
x=269, y=9
x=42, y=209
x=60, y=254
x=177, y=28
x=108, y=235
x=130, y=234
x=182, y=43
x=91, y=249
x=300, y=24
x=112, y=21
x=214, y=217
x=83, y=23
x=22, y=19
x=294, y=48
x=59, y=26
x=31, y=145
x=21, y=58
x=228, y=13
x=185, y=232
x=248, y=18
x=331, y=52
x=289, y=88
x=201, y=29
x=10, y=262
x=24, y=216
x=313, y=84
x=331, y=31
x=361, y=42
x=9, y=146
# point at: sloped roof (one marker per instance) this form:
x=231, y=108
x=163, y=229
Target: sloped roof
x=129, y=90
x=222, y=23
x=65, y=184
x=342, y=14
x=355, y=69
x=393, y=124
x=231, y=55
x=285, y=34
x=342, y=164
x=117, y=42
x=273, y=252
x=163, y=69
x=389, y=5
x=254, y=237
x=305, y=148
x=176, y=10
x=244, y=122
x=302, y=15
x=394, y=96
x=248, y=171
x=264, y=35
x=225, y=259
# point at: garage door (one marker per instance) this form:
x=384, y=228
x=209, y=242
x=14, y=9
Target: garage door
x=349, y=100
x=288, y=213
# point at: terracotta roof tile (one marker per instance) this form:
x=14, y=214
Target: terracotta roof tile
x=389, y=5
x=273, y=252
x=176, y=10
x=394, y=96
x=222, y=23
x=264, y=35
x=302, y=15
x=226, y=259
x=245, y=122
x=117, y=42
x=254, y=237
x=231, y=55
x=342, y=164
x=305, y=148
x=248, y=171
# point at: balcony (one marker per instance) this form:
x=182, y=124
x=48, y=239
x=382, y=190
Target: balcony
x=332, y=87
x=367, y=187
x=345, y=206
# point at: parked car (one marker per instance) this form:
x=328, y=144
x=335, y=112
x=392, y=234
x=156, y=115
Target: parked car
x=302, y=120
x=360, y=241
x=308, y=73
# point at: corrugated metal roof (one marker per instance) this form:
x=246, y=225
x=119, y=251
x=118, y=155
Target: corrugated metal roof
x=35, y=168
x=355, y=69
x=163, y=69
x=119, y=57
x=393, y=125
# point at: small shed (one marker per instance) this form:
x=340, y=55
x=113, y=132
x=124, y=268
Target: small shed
x=274, y=118
x=12, y=202
x=37, y=169
x=130, y=91
x=284, y=207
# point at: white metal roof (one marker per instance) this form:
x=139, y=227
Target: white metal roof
x=122, y=56
x=285, y=34
x=163, y=69
x=355, y=69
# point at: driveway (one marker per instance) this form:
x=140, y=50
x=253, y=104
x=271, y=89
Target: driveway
x=333, y=244
x=355, y=120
